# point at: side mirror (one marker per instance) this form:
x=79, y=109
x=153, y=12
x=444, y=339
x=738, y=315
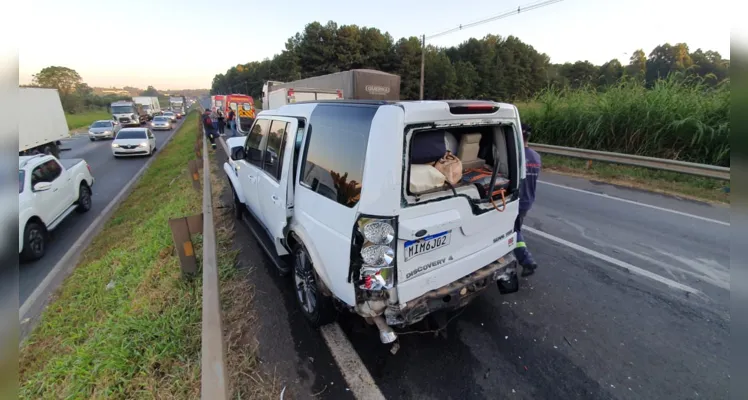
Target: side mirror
x=237, y=153
x=42, y=186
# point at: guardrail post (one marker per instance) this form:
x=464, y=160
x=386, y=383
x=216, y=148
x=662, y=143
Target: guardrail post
x=182, y=230
x=194, y=166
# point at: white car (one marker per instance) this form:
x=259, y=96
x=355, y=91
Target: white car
x=364, y=179
x=134, y=142
x=171, y=115
x=49, y=190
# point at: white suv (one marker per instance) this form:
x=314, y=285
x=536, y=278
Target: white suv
x=329, y=191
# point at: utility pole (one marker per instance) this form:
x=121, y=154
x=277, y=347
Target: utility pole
x=423, y=60
x=519, y=9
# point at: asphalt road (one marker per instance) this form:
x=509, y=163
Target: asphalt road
x=580, y=328
x=111, y=175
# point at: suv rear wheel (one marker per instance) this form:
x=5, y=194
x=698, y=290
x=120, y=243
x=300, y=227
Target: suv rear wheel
x=317, y=308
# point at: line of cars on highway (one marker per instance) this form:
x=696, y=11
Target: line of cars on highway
x=132, y=141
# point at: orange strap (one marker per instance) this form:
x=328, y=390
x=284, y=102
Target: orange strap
x=503, y=201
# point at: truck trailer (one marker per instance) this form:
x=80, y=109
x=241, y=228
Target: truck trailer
x=356, y=84
x=150, y=105
x=40, y=135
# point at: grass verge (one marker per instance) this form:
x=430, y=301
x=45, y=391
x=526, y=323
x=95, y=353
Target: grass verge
x=124, y=325
x=671, y=183
x=84, y=119
x=248, y=381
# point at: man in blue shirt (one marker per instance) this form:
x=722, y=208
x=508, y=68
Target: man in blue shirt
x=526, y=198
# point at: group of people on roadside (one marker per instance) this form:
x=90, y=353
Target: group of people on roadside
x=214, y=124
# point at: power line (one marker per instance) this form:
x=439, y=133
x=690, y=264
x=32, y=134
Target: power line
x=525, y=8
x=519, y=9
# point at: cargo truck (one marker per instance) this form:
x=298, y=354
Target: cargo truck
x=280, y=97
x=150, y=105
x=40, y=135
x=356, y=84
x=176, y=104
x=128, y=113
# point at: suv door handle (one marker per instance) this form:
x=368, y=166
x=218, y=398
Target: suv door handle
x=274, y=197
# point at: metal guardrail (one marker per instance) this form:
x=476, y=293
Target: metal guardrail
x=705, y=170
x=213, y=380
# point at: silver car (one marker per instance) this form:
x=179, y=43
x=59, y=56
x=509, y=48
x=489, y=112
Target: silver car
x=161, y=123
x=171, y=116
x=103, y=129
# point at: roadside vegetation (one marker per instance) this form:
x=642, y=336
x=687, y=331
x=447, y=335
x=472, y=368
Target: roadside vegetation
x=124, y=324
x=675, y=119
x=247, y=379
x=84, y=119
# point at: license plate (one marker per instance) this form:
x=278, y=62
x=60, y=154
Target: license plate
x=414, y=248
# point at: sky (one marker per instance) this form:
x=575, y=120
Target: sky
x=183, y=45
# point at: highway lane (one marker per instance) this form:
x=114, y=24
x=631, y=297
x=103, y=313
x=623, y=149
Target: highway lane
x=582, y=327
x=111, y=175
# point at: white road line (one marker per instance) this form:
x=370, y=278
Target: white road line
x=355, y=373
x=636, y=203
x=618, y=263
x=70, y=258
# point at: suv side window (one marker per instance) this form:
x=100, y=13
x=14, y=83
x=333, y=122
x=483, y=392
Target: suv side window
x=338, y=136
x=275, y=147
x=256, y=141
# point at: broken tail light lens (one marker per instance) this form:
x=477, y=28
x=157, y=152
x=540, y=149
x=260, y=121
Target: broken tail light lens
x=378, y=253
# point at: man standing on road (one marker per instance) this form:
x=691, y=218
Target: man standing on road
x=526, y=199
x=232, y=122
x=209, y=129
x=221, y=122
x=214, y=118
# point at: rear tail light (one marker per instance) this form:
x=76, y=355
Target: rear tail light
x=375, y=242
x=89, y=168
x=340, y=94
x=485, y=107
x=291, y=98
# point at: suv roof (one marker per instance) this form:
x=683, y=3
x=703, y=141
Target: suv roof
x=416, y=111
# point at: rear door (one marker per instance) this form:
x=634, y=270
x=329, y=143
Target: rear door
x=274, y=197
x=444, y=239
x=251, y=167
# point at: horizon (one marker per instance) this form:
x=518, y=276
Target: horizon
x=604, y=34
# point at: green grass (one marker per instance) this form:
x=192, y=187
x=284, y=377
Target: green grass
x=140, y=338
x=692, y=187
x=673, y=120
x=84, y=119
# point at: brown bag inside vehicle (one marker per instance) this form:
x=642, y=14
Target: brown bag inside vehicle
x=451, y=167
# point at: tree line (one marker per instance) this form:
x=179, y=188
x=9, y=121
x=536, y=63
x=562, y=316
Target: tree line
x=494, y=67
x=77, y=96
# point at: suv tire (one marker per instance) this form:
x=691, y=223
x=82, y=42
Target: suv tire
x=316, y=307
x=34, y=241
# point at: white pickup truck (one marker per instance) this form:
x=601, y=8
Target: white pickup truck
x=49, y=189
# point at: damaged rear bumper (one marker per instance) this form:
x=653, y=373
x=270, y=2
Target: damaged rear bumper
x=458, y=293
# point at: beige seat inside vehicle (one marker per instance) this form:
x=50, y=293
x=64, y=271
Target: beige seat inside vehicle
x=468, y=151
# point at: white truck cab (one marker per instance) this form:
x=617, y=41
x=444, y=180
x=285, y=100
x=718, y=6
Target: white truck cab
x=329, y=190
